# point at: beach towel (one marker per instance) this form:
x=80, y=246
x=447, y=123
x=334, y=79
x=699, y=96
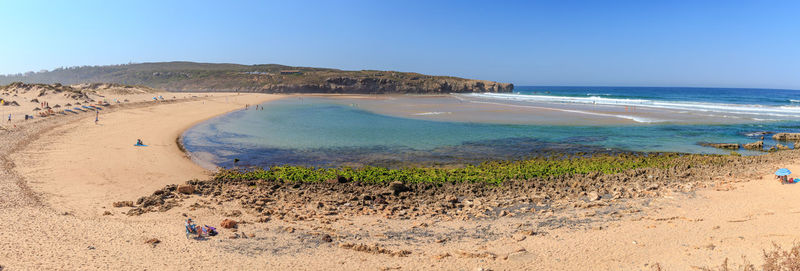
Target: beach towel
x=140, y=145
x=211, y=230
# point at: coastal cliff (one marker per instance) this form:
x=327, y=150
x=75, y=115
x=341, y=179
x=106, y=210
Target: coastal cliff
x=269, y=78
x=384, y=85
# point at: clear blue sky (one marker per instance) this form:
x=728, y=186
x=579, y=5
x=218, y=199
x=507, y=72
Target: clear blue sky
x=613, y=43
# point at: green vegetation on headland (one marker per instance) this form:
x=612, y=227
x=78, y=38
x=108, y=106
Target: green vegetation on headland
x=269, y=78
x=494, y=172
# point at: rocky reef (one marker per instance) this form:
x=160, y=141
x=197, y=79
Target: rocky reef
x=758, y=145
x=729, y=146
x=786, y=136
x=293, y=201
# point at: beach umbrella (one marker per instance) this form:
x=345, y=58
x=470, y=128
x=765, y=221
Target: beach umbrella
x=783, y=172
x=36, y=109
x=57, y=106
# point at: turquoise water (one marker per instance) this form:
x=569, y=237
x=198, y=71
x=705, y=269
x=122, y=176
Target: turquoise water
x=324, y=132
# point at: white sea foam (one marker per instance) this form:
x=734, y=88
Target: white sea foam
x=790, y=112
x=431, y=113
x=633, y=118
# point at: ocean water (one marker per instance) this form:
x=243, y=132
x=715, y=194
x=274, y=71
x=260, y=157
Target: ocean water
x=336, y=131
x=755, y=104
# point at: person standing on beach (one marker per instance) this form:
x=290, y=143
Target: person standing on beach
x=96, y=116
x=9, y=117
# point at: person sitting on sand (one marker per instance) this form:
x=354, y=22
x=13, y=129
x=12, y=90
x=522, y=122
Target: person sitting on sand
x=139, y=142
x=191, y=227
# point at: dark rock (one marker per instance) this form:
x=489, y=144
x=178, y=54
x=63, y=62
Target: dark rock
x=152, y=241
x=135, y=211
x=758, y=145
x=120, y=204
x=398, y=187
x=151, y=201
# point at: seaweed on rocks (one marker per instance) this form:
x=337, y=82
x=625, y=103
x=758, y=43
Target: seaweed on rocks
x=302, y=196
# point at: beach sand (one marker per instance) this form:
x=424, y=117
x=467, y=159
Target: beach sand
x=62, y=176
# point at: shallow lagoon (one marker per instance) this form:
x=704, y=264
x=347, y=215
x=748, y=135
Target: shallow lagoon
x=342, y=131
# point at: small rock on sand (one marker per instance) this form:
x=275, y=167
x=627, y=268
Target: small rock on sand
x=327, y=238
x=228, y=224
x=186, y=189
x=234, y=213
x=120, y=204
x=152, y=241
x=593, y=196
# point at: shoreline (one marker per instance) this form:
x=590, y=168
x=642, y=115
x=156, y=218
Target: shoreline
x=179, y=136
x=98, y=168
x=674, y=229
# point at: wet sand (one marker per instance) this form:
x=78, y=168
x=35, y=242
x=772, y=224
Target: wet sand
x=61, y=176
x=465, y=108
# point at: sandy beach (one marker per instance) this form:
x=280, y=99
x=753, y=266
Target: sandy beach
x=61, y=177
